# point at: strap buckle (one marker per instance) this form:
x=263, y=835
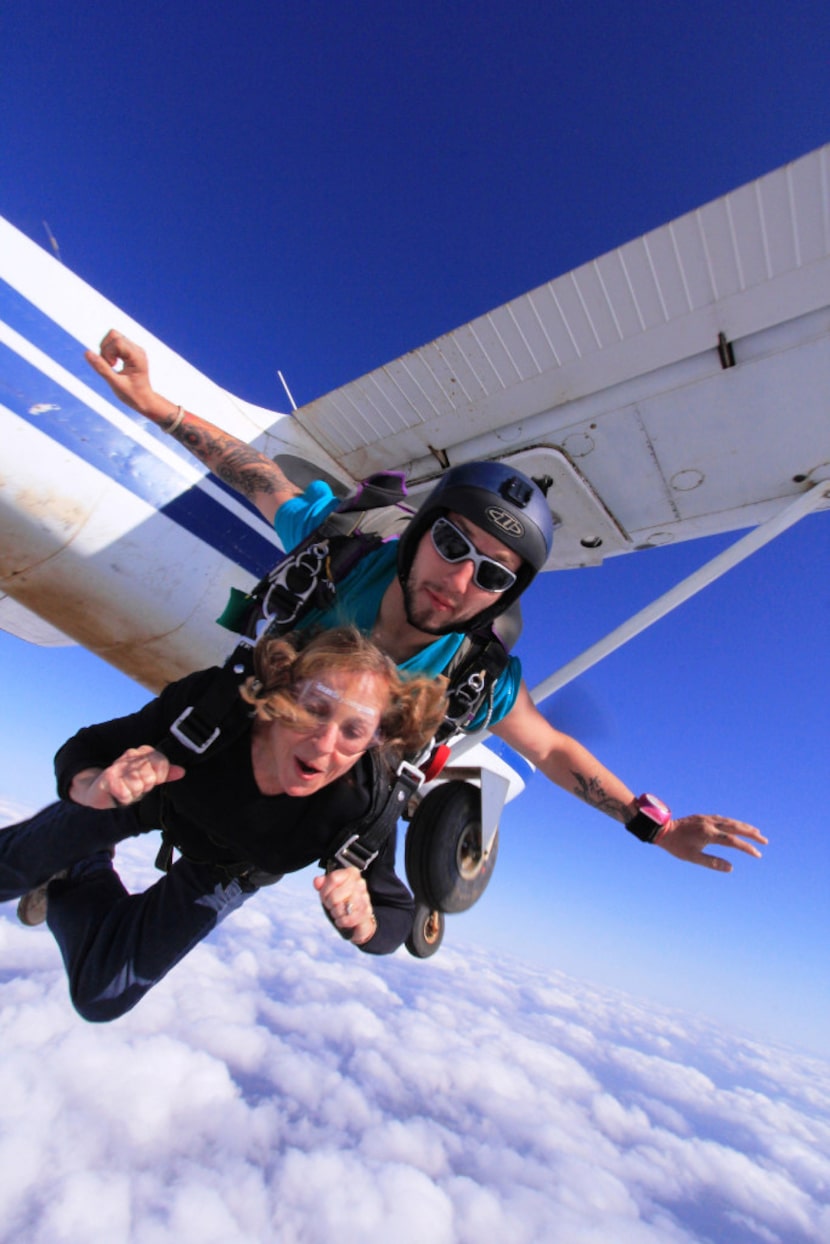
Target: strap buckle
x=196, y=741
x=292, y=583
x=466, y=698
x=410, y=775
x=353, y=854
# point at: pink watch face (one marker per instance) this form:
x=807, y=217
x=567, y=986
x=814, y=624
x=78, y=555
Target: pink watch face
x=654, y=809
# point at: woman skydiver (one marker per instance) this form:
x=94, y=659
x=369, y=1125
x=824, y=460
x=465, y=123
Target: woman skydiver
x=320, y=725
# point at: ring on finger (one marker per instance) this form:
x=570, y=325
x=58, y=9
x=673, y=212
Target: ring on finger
x=347, y=907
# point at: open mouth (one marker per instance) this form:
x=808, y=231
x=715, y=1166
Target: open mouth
x=306, y=769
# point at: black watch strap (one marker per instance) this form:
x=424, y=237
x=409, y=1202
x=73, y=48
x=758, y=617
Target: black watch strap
x=643, y=827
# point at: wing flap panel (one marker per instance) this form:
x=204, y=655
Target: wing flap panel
x=596, y=343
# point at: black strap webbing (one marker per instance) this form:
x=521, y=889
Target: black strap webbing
x=362, y=843
x=213, y=721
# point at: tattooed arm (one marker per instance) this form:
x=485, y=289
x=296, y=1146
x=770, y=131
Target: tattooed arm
x=563, y=759
x=569, y=764
x=243, y=468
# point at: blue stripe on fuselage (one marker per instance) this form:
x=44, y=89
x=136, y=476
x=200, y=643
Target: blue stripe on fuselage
x=72, y=424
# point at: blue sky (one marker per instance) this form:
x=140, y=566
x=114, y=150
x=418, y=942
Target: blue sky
x=320, y=187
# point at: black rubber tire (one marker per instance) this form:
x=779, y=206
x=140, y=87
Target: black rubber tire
x=427, y=932
x=443, y=849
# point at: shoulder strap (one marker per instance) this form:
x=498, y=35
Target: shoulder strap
x=363, y=841
x=476, y=668
x=215, y=720
x=473, y=673
x=307, y=577
x=202, y=729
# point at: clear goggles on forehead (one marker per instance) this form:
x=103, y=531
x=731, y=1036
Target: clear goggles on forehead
x=357, y=724
x=454, y=546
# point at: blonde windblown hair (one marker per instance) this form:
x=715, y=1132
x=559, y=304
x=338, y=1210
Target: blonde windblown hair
x=415, y=705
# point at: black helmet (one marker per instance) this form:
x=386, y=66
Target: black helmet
x=503, y=502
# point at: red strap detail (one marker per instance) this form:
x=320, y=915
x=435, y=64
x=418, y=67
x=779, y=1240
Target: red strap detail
x=436, y=762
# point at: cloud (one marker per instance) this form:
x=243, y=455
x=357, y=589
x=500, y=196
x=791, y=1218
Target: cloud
x=11, y=811
x=280, y=1086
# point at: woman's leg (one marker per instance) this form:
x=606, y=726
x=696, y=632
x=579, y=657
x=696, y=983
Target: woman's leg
x=117, y=945
x=33, y=851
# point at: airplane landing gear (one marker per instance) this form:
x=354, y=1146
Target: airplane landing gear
x=445, y=856
x=427, y=932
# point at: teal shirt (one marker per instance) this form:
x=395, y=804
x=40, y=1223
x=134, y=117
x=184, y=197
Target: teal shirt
x=360, y=593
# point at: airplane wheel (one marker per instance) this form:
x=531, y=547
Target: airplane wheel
x=427, y=932
x=443, y=849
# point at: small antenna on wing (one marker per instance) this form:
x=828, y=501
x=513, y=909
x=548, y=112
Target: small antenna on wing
x=287, y=390
x=53, y=242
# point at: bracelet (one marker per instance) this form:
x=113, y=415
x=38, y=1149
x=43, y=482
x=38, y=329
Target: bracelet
x=374, y=920
x=177, y=422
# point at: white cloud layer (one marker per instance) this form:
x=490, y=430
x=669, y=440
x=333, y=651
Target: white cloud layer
x=280, y=1087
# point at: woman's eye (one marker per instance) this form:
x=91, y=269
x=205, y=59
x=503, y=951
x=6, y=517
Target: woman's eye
x=320, y=710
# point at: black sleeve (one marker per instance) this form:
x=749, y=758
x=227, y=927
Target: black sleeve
x=96, y=747
x=393, y=905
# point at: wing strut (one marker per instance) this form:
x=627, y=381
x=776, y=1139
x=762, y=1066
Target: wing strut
x=686, y=588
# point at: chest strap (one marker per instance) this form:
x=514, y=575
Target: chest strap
x=361, y=844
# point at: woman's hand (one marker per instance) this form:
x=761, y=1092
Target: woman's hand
x=345, y=897
x=127, y=779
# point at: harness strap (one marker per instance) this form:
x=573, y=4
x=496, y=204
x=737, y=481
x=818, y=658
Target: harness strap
x=473, y=674
x=205, y=725
x=362, y=844
x=307, y=577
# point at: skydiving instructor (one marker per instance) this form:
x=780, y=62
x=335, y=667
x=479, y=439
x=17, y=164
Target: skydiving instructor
x=452, y=569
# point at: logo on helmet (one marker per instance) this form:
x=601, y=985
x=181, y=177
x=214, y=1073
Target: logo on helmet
x=506, y=523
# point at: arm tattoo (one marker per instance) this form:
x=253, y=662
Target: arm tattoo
x=245, y=469
x=592, y=792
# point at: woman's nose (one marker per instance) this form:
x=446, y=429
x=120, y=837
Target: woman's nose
x=327, y=735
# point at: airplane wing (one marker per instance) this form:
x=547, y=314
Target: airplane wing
x=670, y=389
x=673, y=388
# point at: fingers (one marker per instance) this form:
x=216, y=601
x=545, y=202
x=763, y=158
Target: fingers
x=727, y=826
x=345, y=897
x=713, y=862
x=98, y=364
x=729, y=840
x=688, y=838
x=123, y=365
x=116, y=348
x=112, y=350
x=135, y=773
x=729, y=833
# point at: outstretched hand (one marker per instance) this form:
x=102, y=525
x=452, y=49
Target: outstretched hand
x=126, y=780
x=124, y=366
x=688, y=837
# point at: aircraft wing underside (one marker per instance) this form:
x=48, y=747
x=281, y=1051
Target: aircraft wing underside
x=673, y=388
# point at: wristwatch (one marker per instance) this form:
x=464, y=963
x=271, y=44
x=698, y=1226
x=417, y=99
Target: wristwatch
x=652, y=817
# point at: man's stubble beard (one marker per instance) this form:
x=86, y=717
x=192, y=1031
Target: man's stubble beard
x=421, y=620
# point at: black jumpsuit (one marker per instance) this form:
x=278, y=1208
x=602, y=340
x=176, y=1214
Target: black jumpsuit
x=115, y=945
